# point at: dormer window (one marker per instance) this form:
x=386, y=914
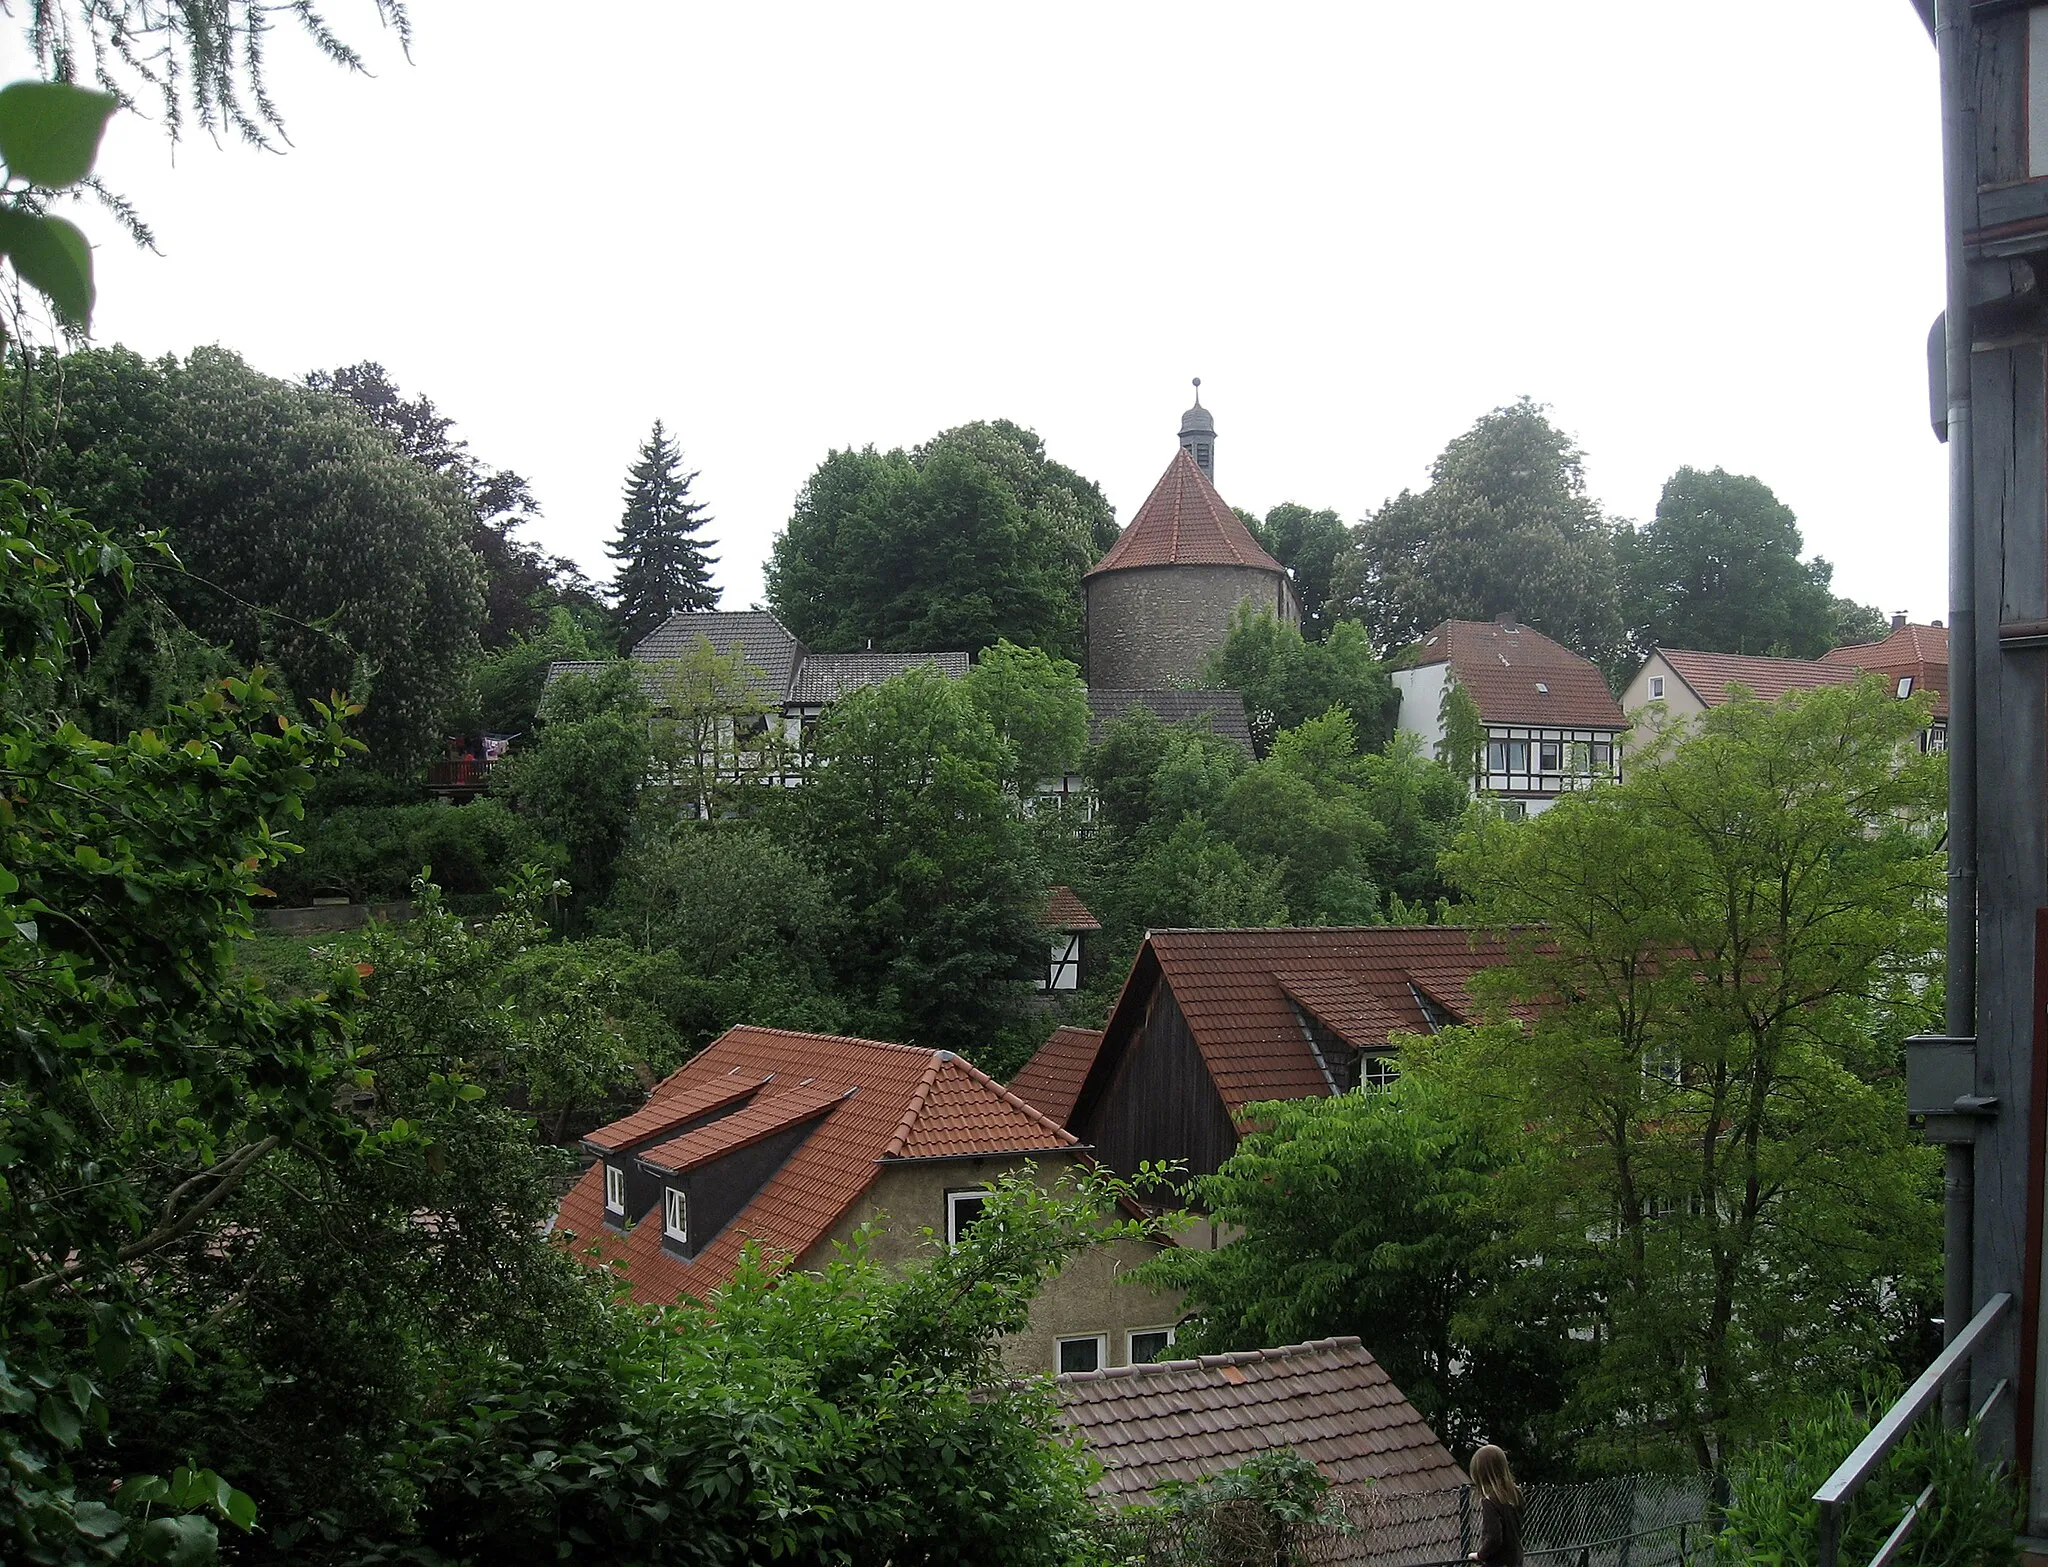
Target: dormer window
x=614, y=1190
x=675, y=1216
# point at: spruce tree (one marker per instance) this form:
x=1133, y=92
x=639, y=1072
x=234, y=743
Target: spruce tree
x=662, y=564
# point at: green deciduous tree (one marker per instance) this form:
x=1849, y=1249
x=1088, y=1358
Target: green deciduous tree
x=1039, y=707
x=663, y=568
x=309, y=540
x=521, y=585
x=1369, y=1214
x=1506, y=525
x=907, y=817
x=1715, y=1147
x=1718, y=569
x=1309, y=544
x=143, y=1080
x=972, y=537
x=1287, y=679
x=580, y=779
x=507, y=684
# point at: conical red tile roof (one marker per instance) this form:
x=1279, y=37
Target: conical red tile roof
x=1184, y=522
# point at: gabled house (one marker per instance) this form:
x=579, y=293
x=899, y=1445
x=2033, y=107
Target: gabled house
x=1550, y=724
x=1327, y=1401
x=1689, y=682
x=1070, y=924
x=794, y=1141
x=1913, y=660
x=1211, y=1021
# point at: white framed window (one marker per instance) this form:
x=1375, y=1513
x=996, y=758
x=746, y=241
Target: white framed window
x=1378, y=1070
x=1085, y=1352
x=675, y=1215
x=962, y=1209
x=1656, y=687
x=1664, y=1063
x=1064, y=971
x=1905, y=687
x=1496, y=756
x=614, y=1189
x=1550, y=756
x=1149, y=1344
x=1518, y=756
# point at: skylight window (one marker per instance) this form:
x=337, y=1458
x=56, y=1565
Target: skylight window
x=1905, y=686
x=1540, y=686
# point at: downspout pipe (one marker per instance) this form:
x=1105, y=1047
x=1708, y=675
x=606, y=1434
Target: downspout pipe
x=1952, y=44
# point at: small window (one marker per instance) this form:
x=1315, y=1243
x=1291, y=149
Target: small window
x=1665, y=1065
x=1150, y=1344
x=1378, y=1070
x=1064, y=971
x=1496, y=756
x=1518, y=756
x=962, y=1209
x=1542, y=689
x=675, y=1216
x=1905, y=687
x=1084, y=1354
x=614, y=1189
x=1656, y=687
x=1550, y=755
x=1602, y=753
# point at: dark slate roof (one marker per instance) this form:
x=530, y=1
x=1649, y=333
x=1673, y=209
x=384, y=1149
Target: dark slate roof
x=826, y=677
x=1184, y=522
x=1329, y=1401
x=1223, y=709
x=771, y=654
x=1517, y=675
x=650, y=674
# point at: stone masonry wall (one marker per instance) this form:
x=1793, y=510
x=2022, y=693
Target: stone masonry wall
x=1155, y=626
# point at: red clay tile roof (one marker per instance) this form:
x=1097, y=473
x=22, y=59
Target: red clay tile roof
x=907, y=1103
x=730, y=1133
x=1065, y=911
x=1184, y=522
x=1919, y=651
x=1232, y=987
x=1052, y=1077
x=1329, y=1401
x=1709, y=675
x=1519, y=676
x=664, y=1113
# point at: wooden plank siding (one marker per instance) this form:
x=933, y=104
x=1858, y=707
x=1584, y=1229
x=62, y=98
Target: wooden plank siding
x=1160, y=1102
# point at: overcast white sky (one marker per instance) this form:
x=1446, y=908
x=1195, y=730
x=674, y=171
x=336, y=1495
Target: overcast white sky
x=1703, y=234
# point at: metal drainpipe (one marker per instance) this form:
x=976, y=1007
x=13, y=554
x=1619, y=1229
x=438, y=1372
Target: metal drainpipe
x=1959, y=194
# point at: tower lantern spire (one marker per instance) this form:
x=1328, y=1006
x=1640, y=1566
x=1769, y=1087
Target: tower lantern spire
x=1198, y=435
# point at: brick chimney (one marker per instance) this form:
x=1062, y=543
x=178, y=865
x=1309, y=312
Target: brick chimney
x=1898, y=620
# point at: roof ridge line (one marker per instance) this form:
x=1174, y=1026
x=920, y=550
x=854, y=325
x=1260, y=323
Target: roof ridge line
x=915, y=1108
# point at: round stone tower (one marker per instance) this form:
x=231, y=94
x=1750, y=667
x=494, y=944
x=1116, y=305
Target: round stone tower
x=1159, y=603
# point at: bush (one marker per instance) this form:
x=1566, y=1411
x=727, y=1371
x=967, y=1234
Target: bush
x=369, y=852
x=1971, y=1521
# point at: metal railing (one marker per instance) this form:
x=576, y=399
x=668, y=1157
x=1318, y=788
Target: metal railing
x=1841, y=1487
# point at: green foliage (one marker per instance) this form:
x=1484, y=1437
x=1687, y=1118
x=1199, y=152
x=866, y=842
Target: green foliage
x=579, y=780
x=1854, y=622
x=1039, y=707
x=860, y=1414
x=508, y=683
x=1464, y=731
x=973, y=537
x=1370, y=1214
x=1287, y=680
x=906, y=816
x=141, y=1079
x=369, y=853
x=341, y=1295
x=1506, y=525
x=1972, y=1520
x=311, y=542
x=1309, y=544
x=1714, y=1149
x=748, y=925
x=1194, y=878
x=521, y=585
x=718, y=738
x=662, y=565
x=50, y=137
x=1273, y=1510
x=1718, y=569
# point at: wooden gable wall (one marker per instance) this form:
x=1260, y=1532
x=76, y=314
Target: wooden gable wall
x=1160, y=1102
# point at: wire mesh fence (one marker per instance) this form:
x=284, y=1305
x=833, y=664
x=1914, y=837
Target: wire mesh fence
x=1628, y=1521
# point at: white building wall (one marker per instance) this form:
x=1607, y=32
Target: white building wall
x=1422, y=698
